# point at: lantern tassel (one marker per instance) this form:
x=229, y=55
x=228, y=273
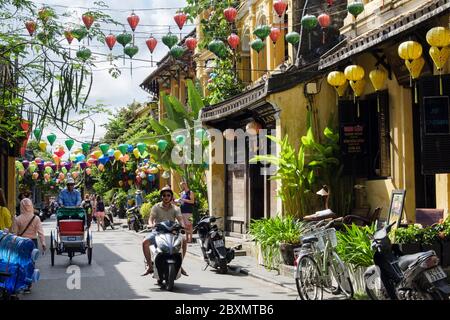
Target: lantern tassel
x=309, y=40
x=357, y=109
x=323, y=36
x=131, y=67
x=416, y=100
x=378, y=103
x=440, y=83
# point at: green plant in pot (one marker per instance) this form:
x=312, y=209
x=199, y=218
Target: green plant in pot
x=444, y=236
x=431, y=240
x=409, y=238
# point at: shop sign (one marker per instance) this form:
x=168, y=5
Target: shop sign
x=353, y=138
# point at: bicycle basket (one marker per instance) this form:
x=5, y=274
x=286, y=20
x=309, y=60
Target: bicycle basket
x=323, y=236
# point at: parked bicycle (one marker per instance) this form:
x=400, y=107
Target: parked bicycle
x=318, y=266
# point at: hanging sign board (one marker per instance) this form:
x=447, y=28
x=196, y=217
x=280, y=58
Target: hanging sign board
x=353, y=138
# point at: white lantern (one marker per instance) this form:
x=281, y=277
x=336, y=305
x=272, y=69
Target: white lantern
x=253, y=128
x=229, y=134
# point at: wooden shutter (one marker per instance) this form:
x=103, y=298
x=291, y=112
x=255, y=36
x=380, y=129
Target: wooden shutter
x=434, y=125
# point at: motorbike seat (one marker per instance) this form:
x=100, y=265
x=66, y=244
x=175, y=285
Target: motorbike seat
x=310, y=239
x=405, y=261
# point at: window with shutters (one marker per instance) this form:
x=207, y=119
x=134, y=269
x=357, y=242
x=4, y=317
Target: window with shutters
x=364, y=137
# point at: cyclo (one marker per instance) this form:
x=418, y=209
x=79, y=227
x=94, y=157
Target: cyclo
x=71, y=235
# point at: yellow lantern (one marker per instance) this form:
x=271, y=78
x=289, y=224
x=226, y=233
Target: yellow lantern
x=136, y=153
x=358, y=90
x=354, y=73
x=341, y=89
x=438, y=37
x=415, y=67
x=410, y=50
x=97, y=154
x=378, y=78
x=440, y=57
x=154, y=170
x=336, y=79
x=117, y=154
x=43, y=145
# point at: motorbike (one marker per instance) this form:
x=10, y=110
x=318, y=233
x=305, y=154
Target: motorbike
x=135, y=220
x=108, y=221
x=114, y=210
x=166, y=254
x=213, y=247
x=404, y=277
x=43, y=213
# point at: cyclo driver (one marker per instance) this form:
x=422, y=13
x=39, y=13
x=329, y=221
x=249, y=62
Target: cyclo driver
x=162, y=211
x=69, y=197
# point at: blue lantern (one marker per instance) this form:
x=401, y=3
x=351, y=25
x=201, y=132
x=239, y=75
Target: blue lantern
x=103, y=159
x=130, y=148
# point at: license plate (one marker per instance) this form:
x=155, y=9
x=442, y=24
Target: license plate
x=219, y=243
x=71, y=238
x=435, y=274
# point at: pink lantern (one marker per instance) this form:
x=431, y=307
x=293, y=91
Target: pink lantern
x=88, y=20
x=180, y=19
x=324, y=21
x=191, y=43
x=31, y=27
x=133, y=21
x=230, y=14
x=233, y=41
x=151, y=44
x=280, y=7
x=275, y=33
x=110, y=41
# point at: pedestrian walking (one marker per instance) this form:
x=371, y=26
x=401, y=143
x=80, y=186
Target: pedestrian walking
x=28, y=225
x=187, y=201
x=87, y=206
x=5, y=214
x=100, y=212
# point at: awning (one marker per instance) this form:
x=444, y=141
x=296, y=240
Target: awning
x=389, y=29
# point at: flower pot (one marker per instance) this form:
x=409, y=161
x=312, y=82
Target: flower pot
x=410, y=248
x=287, y=252
x=445, y=261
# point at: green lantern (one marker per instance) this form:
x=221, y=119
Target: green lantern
x=124, y=38
x=51, y=138
x=104, y=147
x=123, y=148
x=131, y=50
x=48, y=170
x=170, y=40
x=262, y=31
x=37, y=134
x=257, y=45
x=355, y=8
x=84, y=54
x=309, y=22
x=64, y=170
x=141, y=147
x=218, y=47
x=85, y=146
x=293, y=38
x=180, y=139
x=69, y=143
x=162, y=145
x=177, y=51
x=79, y=33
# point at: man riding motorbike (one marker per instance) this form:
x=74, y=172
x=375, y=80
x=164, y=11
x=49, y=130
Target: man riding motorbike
x=162, y=211
x=69, y=197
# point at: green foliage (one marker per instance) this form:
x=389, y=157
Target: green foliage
x=354, y=245
x=225, y=85
x=146, y=209
x=153, y=197
x=270, y=233
x=411, y=234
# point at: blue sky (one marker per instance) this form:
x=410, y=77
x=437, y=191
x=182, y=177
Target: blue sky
x=116, y=93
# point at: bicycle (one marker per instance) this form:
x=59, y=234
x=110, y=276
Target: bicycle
x=318, y=266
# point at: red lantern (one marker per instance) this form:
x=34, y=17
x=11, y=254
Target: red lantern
x=133, y=21
x=31, y=27
x=88, y=20
x=230, y=14
x=330, y=2
x=180, y=18
x=110, y=41
x=151, y=44
x=191, y=43
x=275, y=33
x=324, y=21
x=233, y=41
x=68, y=35
x=280, y=7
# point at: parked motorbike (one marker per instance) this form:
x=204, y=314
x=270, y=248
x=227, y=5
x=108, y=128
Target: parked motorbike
x=42, y=213
x=213, y=244
x=166, y=255
x=135, y=220
x=108, y=221
x=114, y=210
x=404, y=277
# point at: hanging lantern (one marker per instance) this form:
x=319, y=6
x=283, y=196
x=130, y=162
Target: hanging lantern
x=162, y=145
x=110, y=42
x=131, y=50
x=180, y=139
x=133, y=21
x=358, y=87
x=44, y=14
x=253, y=128
x=257, y=45
x=341, y=89
x=410, y=50
x=324, y=22
x=88, y=20
x=177, y=51
x=355, y=8
x=354, y=73
x=330, y=2
x=191, y=43
x=233, y=41
x=229, y=134
x=84, y=54
x=309, y=22
x=180, y=19
x=51, y=138
x=37, y=133
x=170, y=40
x=124, y=39
x=439, y=38
x=31, y=27
x=262, y=31
x=79, y=33
x=69, y=36
x=43, y=146
x=69, y=143
x=275, y=34
x=337, y=80
x=230, y=14
x=151, y=45
x=218, y=48
x=378, y=78
x=293, y=38
x=280, y=7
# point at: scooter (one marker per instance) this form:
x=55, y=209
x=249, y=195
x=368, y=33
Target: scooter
x=404, y=277
x=213, y=247
x=135, y=220
x=108, y=221
x=166, y=255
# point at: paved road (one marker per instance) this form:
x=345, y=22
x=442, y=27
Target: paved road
x=115, y=274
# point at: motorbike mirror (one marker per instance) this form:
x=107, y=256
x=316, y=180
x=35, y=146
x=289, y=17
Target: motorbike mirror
x=212, y=219
x=389, y=227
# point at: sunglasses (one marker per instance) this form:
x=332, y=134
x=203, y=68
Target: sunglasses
x=166, y=195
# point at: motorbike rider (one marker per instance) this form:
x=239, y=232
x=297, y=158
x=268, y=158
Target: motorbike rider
x=69, y=197
x=162, y=211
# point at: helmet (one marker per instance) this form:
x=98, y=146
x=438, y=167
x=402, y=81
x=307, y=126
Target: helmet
x=70, y=181
x=166, y=188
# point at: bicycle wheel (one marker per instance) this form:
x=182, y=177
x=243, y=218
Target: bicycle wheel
x=340, y=274
x=308, y=279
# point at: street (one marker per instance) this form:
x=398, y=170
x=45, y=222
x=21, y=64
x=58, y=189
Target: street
x=115, y=274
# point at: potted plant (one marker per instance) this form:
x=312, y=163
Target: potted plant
x=444, y=236
x=409, y=239
x=354, y=248
x=431, y=240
